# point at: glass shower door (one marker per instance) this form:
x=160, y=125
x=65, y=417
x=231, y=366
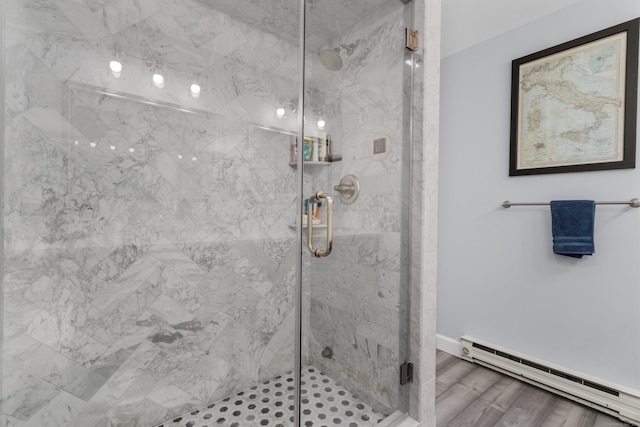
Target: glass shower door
x=355, y=299
x=149, y=263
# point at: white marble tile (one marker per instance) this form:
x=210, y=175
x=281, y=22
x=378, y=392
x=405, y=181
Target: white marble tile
x=65, y=52
x=280, y=20
x=197, y=21
x=170, y=311
x=19, y=26
x=172, y=257
x=176, y=176
x=54, y=126
x=362, y=7
x=44, y=16
x=18, y=347
x=172, y=397
x=118, y=384
x=23, y=394
x=60, y=410
x=117, y=17
x=63, y=373
x=63, y=337
x=18, y=310
x=77, y=12
x=179, y=290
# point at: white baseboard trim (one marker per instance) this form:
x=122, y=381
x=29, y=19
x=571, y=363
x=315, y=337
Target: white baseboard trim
x=448, y=345
x=604, y=396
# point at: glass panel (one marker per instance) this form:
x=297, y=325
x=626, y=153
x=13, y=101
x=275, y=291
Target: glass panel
x=149, y=260
x=357, y=91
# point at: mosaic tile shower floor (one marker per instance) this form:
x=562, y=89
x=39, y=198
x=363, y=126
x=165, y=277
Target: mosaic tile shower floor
x=324, y=403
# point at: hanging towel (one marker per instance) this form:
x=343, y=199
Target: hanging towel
x=572, y=227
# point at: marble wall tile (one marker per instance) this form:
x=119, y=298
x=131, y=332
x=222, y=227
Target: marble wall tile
x=280, y=20
x=24, y=395
x=59, y=411
x=140, y=285
x=62, y=372
x=371, y=367
x=52, y=330
x=197, y=21
x=79, y=15
x=118, y=16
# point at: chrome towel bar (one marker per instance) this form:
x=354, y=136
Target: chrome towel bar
x=634, y=203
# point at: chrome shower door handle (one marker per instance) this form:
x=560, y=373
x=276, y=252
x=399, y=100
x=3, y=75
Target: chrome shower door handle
x=329, y=203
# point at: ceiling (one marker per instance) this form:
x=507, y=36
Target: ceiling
x=469, y=22
x=327, y=20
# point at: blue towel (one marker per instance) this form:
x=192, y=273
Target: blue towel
x=572, y=226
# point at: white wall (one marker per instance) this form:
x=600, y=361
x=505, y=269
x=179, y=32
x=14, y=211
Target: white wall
x=499, y=280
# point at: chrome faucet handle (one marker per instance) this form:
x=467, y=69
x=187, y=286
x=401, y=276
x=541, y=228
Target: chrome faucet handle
x=343, y=188
x=349, y=189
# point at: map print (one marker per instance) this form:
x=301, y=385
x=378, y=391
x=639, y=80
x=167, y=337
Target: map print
x=571, y=106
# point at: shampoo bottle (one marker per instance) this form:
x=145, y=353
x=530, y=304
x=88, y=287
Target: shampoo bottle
x=293, y=149
x=322, y=147
x=314, y=151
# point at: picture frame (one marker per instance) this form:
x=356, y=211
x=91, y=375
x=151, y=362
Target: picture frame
x=574, y=105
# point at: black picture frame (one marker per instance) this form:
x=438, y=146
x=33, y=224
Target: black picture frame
x=542, y=138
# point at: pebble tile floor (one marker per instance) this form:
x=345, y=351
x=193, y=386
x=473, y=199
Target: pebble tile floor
x=324, y=403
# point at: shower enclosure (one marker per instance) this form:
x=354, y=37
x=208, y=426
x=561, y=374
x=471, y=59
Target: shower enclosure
x=156, y=269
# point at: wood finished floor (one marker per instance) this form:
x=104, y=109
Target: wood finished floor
x=468, y=395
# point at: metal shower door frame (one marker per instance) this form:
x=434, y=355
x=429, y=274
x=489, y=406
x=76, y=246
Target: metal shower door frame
x=299, y=243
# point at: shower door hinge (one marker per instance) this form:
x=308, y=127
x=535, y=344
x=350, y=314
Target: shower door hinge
x=411, y=39
x=406, y=373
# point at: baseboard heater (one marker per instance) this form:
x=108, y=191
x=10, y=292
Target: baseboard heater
x=618, y=401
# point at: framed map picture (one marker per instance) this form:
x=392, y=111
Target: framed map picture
x=573, y=106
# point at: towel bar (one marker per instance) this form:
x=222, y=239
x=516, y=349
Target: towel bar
x=634, y=203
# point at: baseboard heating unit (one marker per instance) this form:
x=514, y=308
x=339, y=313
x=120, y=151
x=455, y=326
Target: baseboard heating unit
x=612, y=399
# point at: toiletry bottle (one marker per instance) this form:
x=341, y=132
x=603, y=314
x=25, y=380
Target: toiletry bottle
x=322, y=147
x=307, y=147
x=293, y=149
x=322, y=214
x=329, y=149
x=314, y=150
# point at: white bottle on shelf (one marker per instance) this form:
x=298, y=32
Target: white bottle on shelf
x=314, y=150
x=322, y=147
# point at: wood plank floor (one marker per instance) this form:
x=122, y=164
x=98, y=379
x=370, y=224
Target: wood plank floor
x=470, y=395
